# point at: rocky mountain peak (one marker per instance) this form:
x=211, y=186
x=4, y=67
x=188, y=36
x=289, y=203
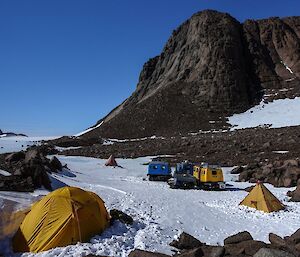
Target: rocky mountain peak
x=212, y=66
x=193, y=55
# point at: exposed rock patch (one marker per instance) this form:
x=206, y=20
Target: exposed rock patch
x=186, y=241
x=240, y=237
x=281, y=173
x=121, y=216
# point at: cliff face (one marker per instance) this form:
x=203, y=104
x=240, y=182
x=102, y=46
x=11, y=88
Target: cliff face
x=274, y=49
x=212, y=66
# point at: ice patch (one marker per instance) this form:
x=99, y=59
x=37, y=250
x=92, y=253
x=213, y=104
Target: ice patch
x=287, y=67
x=59, y=148
x=14, y=144
x=4, y=173
x=281, y=152
x=114, y=140
x=279, y=113
x=289, y=80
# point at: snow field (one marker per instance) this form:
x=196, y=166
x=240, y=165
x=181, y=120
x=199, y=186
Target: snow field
x=279, y=113
x=161, y=213
x=18, y=143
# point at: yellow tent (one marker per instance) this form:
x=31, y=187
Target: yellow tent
x=65, y=216
x=262, y=199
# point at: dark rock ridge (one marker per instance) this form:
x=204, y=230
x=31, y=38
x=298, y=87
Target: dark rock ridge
x=212, y=66
x=239, y=147
x=10, y=134
x=72, y=141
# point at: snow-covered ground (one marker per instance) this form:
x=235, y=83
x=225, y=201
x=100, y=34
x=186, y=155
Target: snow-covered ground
x=279, y=113
x=18, y=143
x=161, y=213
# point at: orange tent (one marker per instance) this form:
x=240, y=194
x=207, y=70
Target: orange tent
x=262, y=199
x=111, y=161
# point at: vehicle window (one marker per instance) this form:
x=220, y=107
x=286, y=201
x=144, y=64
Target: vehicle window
x=163, y=167
x=154, y=167
x=214, y=172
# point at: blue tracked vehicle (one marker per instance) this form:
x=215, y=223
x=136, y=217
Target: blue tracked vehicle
x=159, y=171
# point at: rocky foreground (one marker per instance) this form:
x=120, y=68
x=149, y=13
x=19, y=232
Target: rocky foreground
x=239, y=245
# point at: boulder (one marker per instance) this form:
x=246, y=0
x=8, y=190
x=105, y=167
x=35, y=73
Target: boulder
x=251, y=246
x=267, y=252
x=291, y=176
x=121, y=216
x=233, y=250
x=237, y=238
x=290, y=193
x=15, y=157
x=40, y=177
x=295, y=195
x=45, y=181
x=142, y=253
x=32, y=155
x=237, y=170
x=294, y=238
x=248, y=247
x=276, y=240
x=245, y=175
x=291, y=163
x=186, y=241
x=213, y=251
x=196, y=252
x=266, y=170
x=287, y=182
x=266, y=145
x=55, y=164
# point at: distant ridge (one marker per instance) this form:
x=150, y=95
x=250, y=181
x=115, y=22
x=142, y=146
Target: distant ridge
x=10, y=134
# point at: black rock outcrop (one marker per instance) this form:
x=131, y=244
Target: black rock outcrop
x=29, y=170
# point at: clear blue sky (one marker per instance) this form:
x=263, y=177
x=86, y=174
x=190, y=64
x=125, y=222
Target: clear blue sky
x=64, y=64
